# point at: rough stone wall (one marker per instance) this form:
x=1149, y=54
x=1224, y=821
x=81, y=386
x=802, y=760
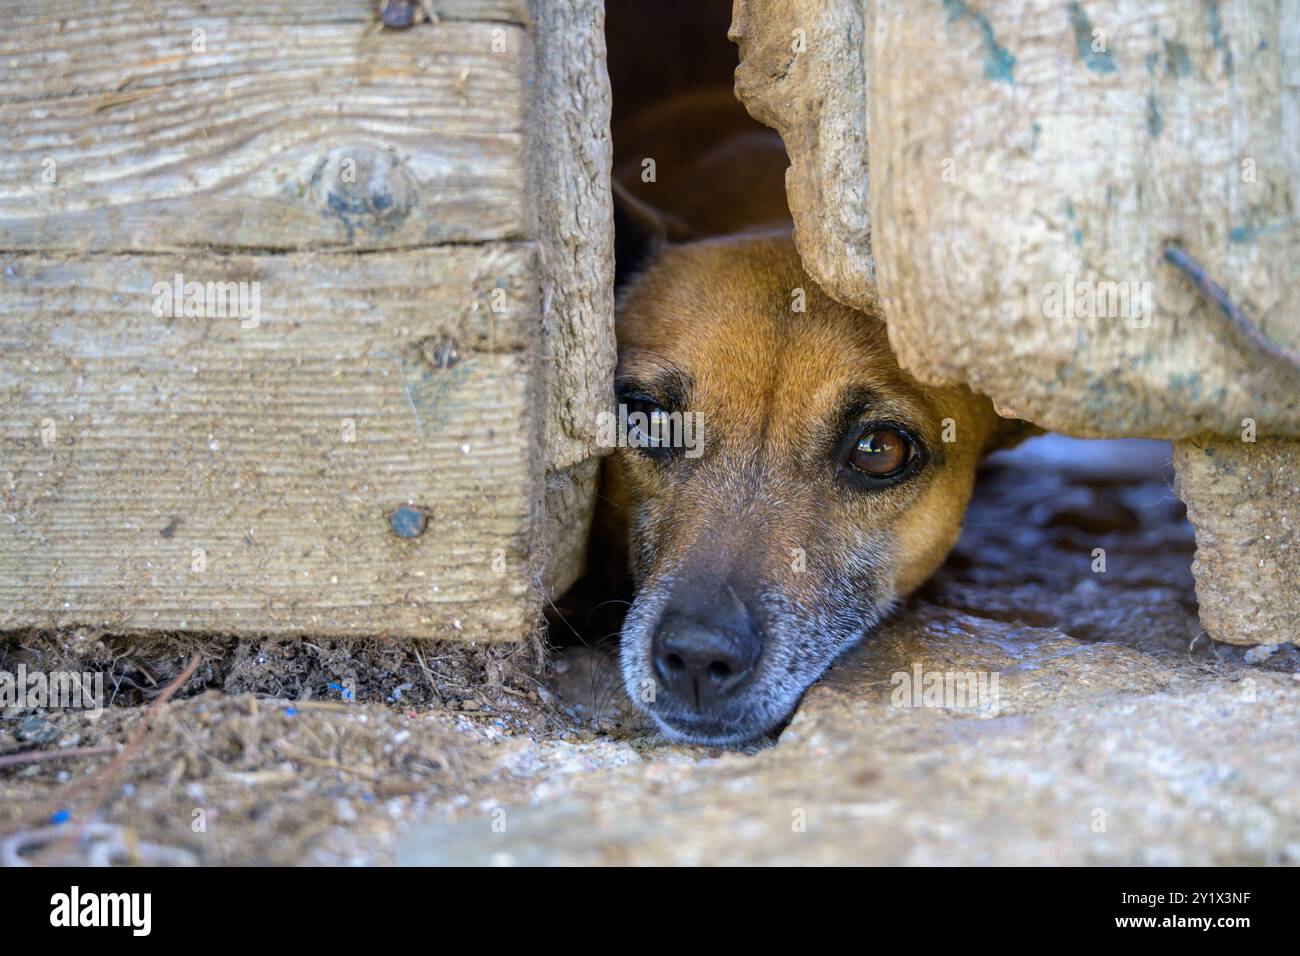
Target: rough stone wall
x=1089, y=211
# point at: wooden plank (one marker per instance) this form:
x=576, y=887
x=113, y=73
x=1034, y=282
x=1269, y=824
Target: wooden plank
x=24, y=13
x=203, y=473
x=294, y=126
x=569, y=160
x=570, y=153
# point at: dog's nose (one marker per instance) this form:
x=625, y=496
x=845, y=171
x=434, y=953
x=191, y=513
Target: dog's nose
x=700, y=663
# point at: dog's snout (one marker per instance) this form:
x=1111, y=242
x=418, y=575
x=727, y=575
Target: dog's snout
x=701, y=662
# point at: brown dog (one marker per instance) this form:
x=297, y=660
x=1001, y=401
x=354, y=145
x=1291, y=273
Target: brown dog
x=784, y=482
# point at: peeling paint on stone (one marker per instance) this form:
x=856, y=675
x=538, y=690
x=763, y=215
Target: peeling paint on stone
x=999, y=63
x=1216, y=32
x=1155, y=121
x=1099, y=61
x=1177, y=58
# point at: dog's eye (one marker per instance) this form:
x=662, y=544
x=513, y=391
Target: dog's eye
x=881, y=452
x=649, y=425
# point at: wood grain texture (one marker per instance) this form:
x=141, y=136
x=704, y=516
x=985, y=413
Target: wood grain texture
x=294, y=126
x=569, y=503
x=425, y=216
x=173, y=473
x=570, y=155
x=285, y=12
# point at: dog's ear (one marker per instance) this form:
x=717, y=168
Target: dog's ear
x=641, y=232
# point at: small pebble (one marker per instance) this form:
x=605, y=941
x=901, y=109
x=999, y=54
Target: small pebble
x=397, y=14
x=407, y=522
x=1257, y=655
x=33, y=730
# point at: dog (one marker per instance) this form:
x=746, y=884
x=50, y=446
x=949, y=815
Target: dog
x=822, y=483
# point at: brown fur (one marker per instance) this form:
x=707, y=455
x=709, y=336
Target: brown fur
x=768, y=520
x=716, y=169
x=720, y=311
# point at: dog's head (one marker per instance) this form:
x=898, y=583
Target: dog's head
x=784, y=482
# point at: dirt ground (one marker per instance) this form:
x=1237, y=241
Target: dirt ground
x=1119, y=733
x=304, y=753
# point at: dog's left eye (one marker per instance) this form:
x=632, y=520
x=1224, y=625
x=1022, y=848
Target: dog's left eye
x=881, y=452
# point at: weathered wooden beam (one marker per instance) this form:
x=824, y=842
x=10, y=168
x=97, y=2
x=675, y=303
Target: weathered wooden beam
x=132, y=13
x=301, y=127
x=570, y=154
x=419, y=220
x=354, y=454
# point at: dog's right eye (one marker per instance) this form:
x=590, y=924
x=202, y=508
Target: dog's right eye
x=649, y=424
